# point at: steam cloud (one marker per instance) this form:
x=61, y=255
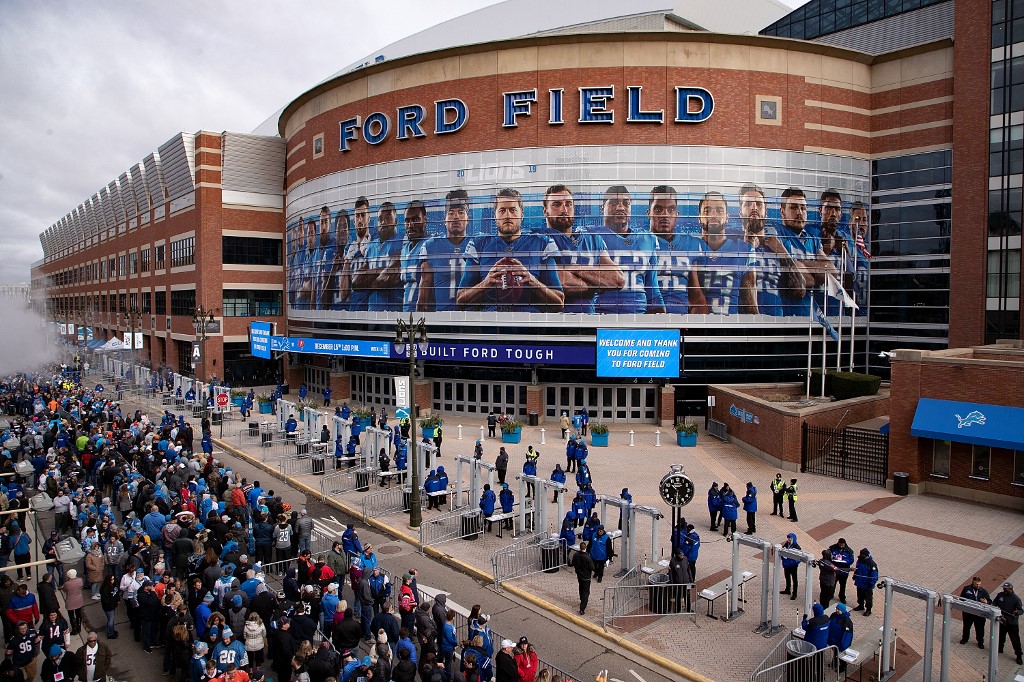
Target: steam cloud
x=26, y=339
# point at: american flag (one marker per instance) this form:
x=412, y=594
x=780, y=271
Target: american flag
x=862, y=247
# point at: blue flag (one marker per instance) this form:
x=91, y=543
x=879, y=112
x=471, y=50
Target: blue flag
x=820, y=318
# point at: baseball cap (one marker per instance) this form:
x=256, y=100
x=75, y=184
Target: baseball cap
x=523, y=640
x=1007, y=584
x=507, y=644
x=55, y=650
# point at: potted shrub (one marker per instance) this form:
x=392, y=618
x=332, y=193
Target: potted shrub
x=686, y=434
x=428, y=424
x=305, y=407
x=511, y=429
x=599, y=434
x=237, y=397
x=360, y=419
x=263, y=400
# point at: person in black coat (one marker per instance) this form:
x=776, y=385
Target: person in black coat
x=405, y=669
x=584, y=567
x=348, y=633
x=47, y=595
x=505, y=669
x=974, y=592
x=282, y=648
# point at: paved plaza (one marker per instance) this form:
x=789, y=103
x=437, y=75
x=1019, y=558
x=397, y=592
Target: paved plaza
x=938, y=543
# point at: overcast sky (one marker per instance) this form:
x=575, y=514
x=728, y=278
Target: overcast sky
x=90, y=88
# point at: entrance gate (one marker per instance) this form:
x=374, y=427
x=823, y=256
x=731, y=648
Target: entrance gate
x=851, y=453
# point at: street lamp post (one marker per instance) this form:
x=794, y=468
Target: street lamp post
x=413, y=334
x=201, y=319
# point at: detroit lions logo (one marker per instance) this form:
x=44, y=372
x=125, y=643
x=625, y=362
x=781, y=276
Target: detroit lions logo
x=974, y=417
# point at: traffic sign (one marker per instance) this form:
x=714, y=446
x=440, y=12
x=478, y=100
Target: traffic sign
x=222, y=400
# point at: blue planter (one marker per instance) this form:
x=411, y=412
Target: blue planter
x=599, y=440
x=686, y=440
x=266, y=408
x=513, y=437
x=428, y=432
x=238, y=400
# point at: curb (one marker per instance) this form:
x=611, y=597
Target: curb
x=475, y=572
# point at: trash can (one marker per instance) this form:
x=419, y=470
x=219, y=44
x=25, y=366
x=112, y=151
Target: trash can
x=318, y=464
x=218, y=417
x=801, y=671
x=266, y=436
x=254, y=429
x=534, y=419
x=660, y=592
x=301, y=447
x=901, y=483
x=550, y=555
x=362, y=481
x=470, y=525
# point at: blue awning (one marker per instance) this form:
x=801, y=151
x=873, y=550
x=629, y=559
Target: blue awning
x=976, y=423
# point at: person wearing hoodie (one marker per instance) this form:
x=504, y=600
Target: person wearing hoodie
x=487, y=502
x=816, y=628
x=840, y=632
x=448, y=641
x=439, y=613
x=442, y=485
x=750, y=507
x=730, y=510
x=865, y=577
x=430, y=485
x=23, y=606
x=714, y=504
x=842, y=559
x=507, y=501
x=790, y=566
x=601, y=551
x=558, y=476
x=826, y=579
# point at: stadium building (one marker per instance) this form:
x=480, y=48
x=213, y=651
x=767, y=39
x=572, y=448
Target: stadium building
x=560, y=195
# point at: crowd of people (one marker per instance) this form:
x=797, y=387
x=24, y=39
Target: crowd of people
x=192, y=553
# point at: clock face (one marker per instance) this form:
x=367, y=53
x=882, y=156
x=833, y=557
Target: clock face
x=676, y=489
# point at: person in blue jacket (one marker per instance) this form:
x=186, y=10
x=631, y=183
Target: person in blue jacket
x=590, y=497
x=840, y=632
x=579, y=509
x=590, y=528
x=730, y=510
x=841, y=556
x=530, y=469
x=601, y=551
x=691, y=550
x=401, y=458
x=346, y=411
x=627, y=498
x=570, y=455
x=581, y=452
x=816, y=628
x=207, y=443
x=487, y=502
x=865, y=578
x=714, y=504
x=290, y=426
x=789, y=567
x=567, y=535
x=678, y=535
x=350, y=541
x=507, y=501
x=353, y=446
x=430, y=486
x=582, y=475
x=303, y=391
x=442, y=486
x=750, y=506
x=558, y=476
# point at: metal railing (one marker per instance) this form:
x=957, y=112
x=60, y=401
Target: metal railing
x=624, y=594
x=530, y=554
x=389, y=501
x=346, y=480
x=452, y=525
x=783, y=664
x=649, y=600
x=718, y=430
x=295, y=465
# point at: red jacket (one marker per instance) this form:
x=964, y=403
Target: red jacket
x=527, y=664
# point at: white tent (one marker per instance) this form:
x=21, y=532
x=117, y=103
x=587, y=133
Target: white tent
x=113, y=344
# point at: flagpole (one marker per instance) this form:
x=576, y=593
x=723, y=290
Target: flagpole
x=853, y=313
x=810, y=348
x=824, y=347
x=839, y=348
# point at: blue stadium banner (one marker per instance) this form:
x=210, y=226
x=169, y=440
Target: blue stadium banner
x=504, y=353
x=638, y=353
x=259, y=339
x=349, y=347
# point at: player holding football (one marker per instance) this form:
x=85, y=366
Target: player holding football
x=511, y=271
x=723, y=281
x=635, y=253
x=443, y=260
x=676, y=251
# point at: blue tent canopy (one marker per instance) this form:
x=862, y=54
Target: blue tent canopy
x=976, y=423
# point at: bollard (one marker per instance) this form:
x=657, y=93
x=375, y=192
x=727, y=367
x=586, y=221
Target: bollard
x=481, y=434
x=460, y=432
x=631, y=444
x=542, y=436
x=657, y=439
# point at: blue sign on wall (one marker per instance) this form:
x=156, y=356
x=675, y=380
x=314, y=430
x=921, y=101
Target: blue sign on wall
x=640, y=353
x=259, y=339
x=350, y=347
x=504, y=353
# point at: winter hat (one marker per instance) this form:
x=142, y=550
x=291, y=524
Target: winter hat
x=227, y=634
x=72, y=573
x=208, y=599
x=841, y=608
x=201, y=648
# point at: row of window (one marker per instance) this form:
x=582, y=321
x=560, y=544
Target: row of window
x=183, y=252
x=114, y=266
x=183, y=302
x=252, y=303
x=822, y=17
x=981, y=461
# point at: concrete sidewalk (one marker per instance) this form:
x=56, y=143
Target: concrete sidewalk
x=931, y=541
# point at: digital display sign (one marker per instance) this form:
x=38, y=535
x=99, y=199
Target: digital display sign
x=638, y=353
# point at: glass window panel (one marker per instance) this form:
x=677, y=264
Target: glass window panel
x=460, y=391
x=447, y=390
x=564, y=398
x=485, y=389
x=497, y=394
x=472, y=393
x=578, y=397
x=592, y=397
x=634, y=397
x=940, y=458
x=980, y=461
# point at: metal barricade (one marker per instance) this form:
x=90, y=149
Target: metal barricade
x=651, y=598
x=293, y=465
x=444, y=528
x=521, y=558
x=718, y=430
x=790, y=660
x=390, y=501
x=346, y=480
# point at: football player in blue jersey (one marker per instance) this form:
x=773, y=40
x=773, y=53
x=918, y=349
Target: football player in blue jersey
x=334, y=297
x=323, y=259
x=412, y=253
x=584, y=268
x=305, y=268
x=355, y=259
x=635, y=253
x=723, y=281
x=676, y=251
x=774, y=266
x=296, y=256
x=805, y=249
x=861, y=255
x=383, y=258
x=511, y=271
x=444, y=257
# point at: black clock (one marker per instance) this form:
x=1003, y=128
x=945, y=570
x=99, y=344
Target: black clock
x=676, y=488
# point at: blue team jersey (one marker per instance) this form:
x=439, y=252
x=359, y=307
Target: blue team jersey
x=412, y=253
x=579, y=250
x=355, y=255
x=297, y=267
x=636, y=254
x=802, y=247
x=675, y=260
x=720, y=274
x=769, y=272
x=323, y=261
x=538, y=254
x=447, y=265
x=379, y=256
